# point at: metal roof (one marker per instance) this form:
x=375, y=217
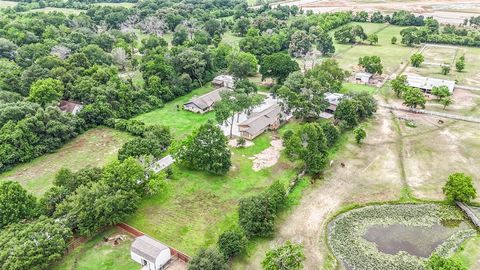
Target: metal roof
x=334, y=98
x=261, y=119
x=147, y=248
x=428, y=83
x=207, y=100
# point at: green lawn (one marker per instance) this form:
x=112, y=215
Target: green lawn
x=231, y=39
x=124, y=4
x=392, y=55
x=98, y=255
x=95, y=147
x=66, y=11
x=181, y=122
x=196, y=207
x=358, y=88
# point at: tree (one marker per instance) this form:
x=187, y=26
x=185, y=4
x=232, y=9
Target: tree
x=241, y=26
x=286, y=257
x=349, y=34
x=414, y=97
x=371, y=64
x=360, y=134
x=208, y=259
x=206, y=149
x=417, y=59
x=180, y=36
x=46, y=91
x=446, y=101
x=7, y=49
x=154, y=141
x=441, y=91
x=372, y=39
x=393, y=40
x=232, y=243
x=459, y=187
x=309, y=145
x=410, y=36
x=440, y=263
x=445, y=69
x=331, y=132
x=399, y=84
x=324, y=43
x=120, y=58
x=242, y=64
x=34, y=245
x=300, y=44
x=278, y=66
x=460, y=64
x=346, y=112
x=255, y=216
x=15, y=203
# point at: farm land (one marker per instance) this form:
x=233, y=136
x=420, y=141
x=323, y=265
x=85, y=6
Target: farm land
x=396, y=163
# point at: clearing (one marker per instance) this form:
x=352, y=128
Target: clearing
x=196, y=207
x=181, y=122
x=93, y=148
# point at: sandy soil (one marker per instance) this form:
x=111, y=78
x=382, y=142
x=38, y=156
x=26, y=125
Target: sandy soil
x=268, y=157
x=446, y=11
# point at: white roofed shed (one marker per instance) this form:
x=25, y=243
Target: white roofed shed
x=150, y=253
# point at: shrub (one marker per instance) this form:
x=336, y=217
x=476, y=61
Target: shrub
x=232, y=243
x=256, y=216
x=440, y=263
x=287, y=257
x=208, y=259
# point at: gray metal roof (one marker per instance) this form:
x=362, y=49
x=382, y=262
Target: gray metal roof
x=428, y=83
x=207, y=100
x=163, y=163
x=147, y=248
x=262, y=119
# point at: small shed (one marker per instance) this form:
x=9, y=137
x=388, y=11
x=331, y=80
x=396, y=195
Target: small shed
x=224, y=81
x=70, y=106
x=150, y=253
x=363, y=77
x=163, y=163
x=333, y=100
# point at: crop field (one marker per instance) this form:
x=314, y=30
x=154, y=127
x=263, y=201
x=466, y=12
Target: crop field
x=99, y=255
x=392, y=55
x=95, y=147
x=172, y=115
x=196, y=207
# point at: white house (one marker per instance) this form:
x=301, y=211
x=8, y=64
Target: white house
x=426, y=84
x=363, y=77
x=150, y=253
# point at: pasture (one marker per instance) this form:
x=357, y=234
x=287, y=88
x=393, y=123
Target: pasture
x=6, y=4
x=66, y=11
x=93, y=148
x=196, y=207
x=122, y=4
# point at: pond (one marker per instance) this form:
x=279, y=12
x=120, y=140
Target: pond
x=420, y=241
x=396, y=236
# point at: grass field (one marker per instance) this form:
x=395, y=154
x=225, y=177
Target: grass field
x=124, y=4
x=196, y=207
x=470, y=76
x=392, y=55
x=181, y=122
x=92, y=148
x=65, y=11
x=231, y=39
x=98, y=255
x=5, y=4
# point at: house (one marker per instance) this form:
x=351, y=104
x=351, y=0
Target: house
x=70, y=106
x=163, y=163
x=270, y=118
x=204, y=103
x=150, y=253
x=426, y=84
x=224, y=81
x=333, y=100
x=363, y=77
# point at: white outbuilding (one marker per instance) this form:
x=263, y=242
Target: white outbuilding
x=150, y=253
x=363, y=77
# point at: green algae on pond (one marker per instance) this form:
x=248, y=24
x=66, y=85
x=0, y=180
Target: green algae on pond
x=396, y=236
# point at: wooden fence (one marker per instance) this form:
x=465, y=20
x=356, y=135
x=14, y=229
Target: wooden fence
x=135, y=232
x=439, y=114
x=469, y=212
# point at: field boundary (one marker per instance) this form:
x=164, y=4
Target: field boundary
x=136, y=232
x=433, y=113
x=470, y=214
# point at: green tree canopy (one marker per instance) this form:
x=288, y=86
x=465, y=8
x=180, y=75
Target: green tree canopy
x=242, y=64
x=417, y=59
x=278, y=66
x=414, y=97
x=46, y=91
x=371, y=64
x=208, y=259
x=15, y=203
x=459, y=187
x=286, y=257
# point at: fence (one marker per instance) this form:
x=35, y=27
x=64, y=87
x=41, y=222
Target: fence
x=469, y=212
x=439, y=114
x=135, y=232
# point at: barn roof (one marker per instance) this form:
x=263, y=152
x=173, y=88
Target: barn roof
x=207, y=100
x=428, y=83
x=147, y=248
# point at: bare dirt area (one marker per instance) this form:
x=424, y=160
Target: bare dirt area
x=268, y=157
x=371, y=173
x=446, y=11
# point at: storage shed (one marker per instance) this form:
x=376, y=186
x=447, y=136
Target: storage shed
x=150, y=253
x=363, y=77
